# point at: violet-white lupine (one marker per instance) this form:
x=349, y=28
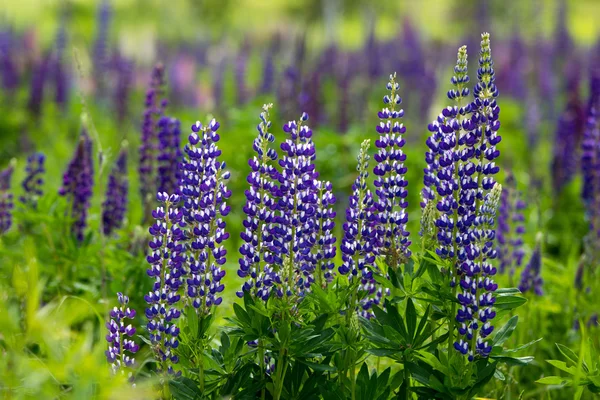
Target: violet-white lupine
x=480, y=195
x=509, y=233
x=531, y=280
x=78, y=182
x=590, y=154
x=204, y=193
x=6, y=198
x=260, y=255
x=297, y=208
x=359, y=237
x=390, y=182
x=169, y=154
x=121, y=348
x=324, y=248
x=114, y=206
x=154, y=108
x=33, y=181
x=166, y=259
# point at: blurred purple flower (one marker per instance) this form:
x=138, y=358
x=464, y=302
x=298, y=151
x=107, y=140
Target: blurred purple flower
x=115, y=203
x=6, y=198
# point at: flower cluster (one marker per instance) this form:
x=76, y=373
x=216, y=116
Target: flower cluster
x=204, y=193
x=480, y=196
x=32, y=184
x=119, y=332
x=155, y=105
x=169, y=154
x=297, y=206
x=166, y=268
x=530, y=277
x=510, y=227
x=390, y=182
x=324, y=248
x=260, y=254
x=115, y=203
x=78, y=182
x=6, y=198
x=358, y=243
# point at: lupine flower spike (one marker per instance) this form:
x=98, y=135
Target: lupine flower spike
x=6, y=198
x=120, y=347
x=204, y=193
x=297, y=207
x=155, y=105
x=32, y=184
x=324, y=249
x=510, y=227
x=166, y=267
x=531, y=279
x=260, y=254
x=358, y=243
x=390, y=182
x=480, y=195
x=115, y=203
x=77, y=186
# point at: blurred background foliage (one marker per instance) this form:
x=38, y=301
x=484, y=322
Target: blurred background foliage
x=54, y=294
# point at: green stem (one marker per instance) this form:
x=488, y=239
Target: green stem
x=261, y=356
x=407, y=380
x=353, y=378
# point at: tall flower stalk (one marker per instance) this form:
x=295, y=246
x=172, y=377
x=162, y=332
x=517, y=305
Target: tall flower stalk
x=6, y=198
x=166, y=268
x=32, y=184
x=114, y=206
x=390, y=183
x=120, y=347
x=78, y=182
x=260, y=255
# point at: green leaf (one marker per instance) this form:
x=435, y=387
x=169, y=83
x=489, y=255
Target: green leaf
x=318, y=367
x=411, y=319
x=522, y=347
x=553, y=380
x=242, y=315
x=571, y=356
x=184, y=388
x=562, y=366
x=509, y=302
x=499, y=375
x=383, y=352
x=433, y=362
x=506, y=331
x=514, y=361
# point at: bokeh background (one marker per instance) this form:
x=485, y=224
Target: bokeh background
x=64, y=61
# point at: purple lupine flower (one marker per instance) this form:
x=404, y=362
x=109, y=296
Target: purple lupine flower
x=480, y=195
x=8, y=68
x=59, y=69
x=390, y=182
x=155, y=105
x=268, y=75
x=533, y=118
x=78, y=181
x=259, y=252
x=241, y=66
x=218, y=78
x=204, y=194
x=590, y=157
x=166, y=267
x=510, y=227
x=6, y=198
x=32, y=184
x=100, y=52
x=124, y=71
x=38, y=85
x=451, y=133
x=358, y=243
x=169, y=154
x=530, y=277
x=568, y=137
x=115, y=203
x=297, y=208
x=119, y=334
x=324, y=249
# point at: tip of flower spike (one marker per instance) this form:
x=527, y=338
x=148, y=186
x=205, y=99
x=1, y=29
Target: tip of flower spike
x=197, y=126
x=304, y=116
